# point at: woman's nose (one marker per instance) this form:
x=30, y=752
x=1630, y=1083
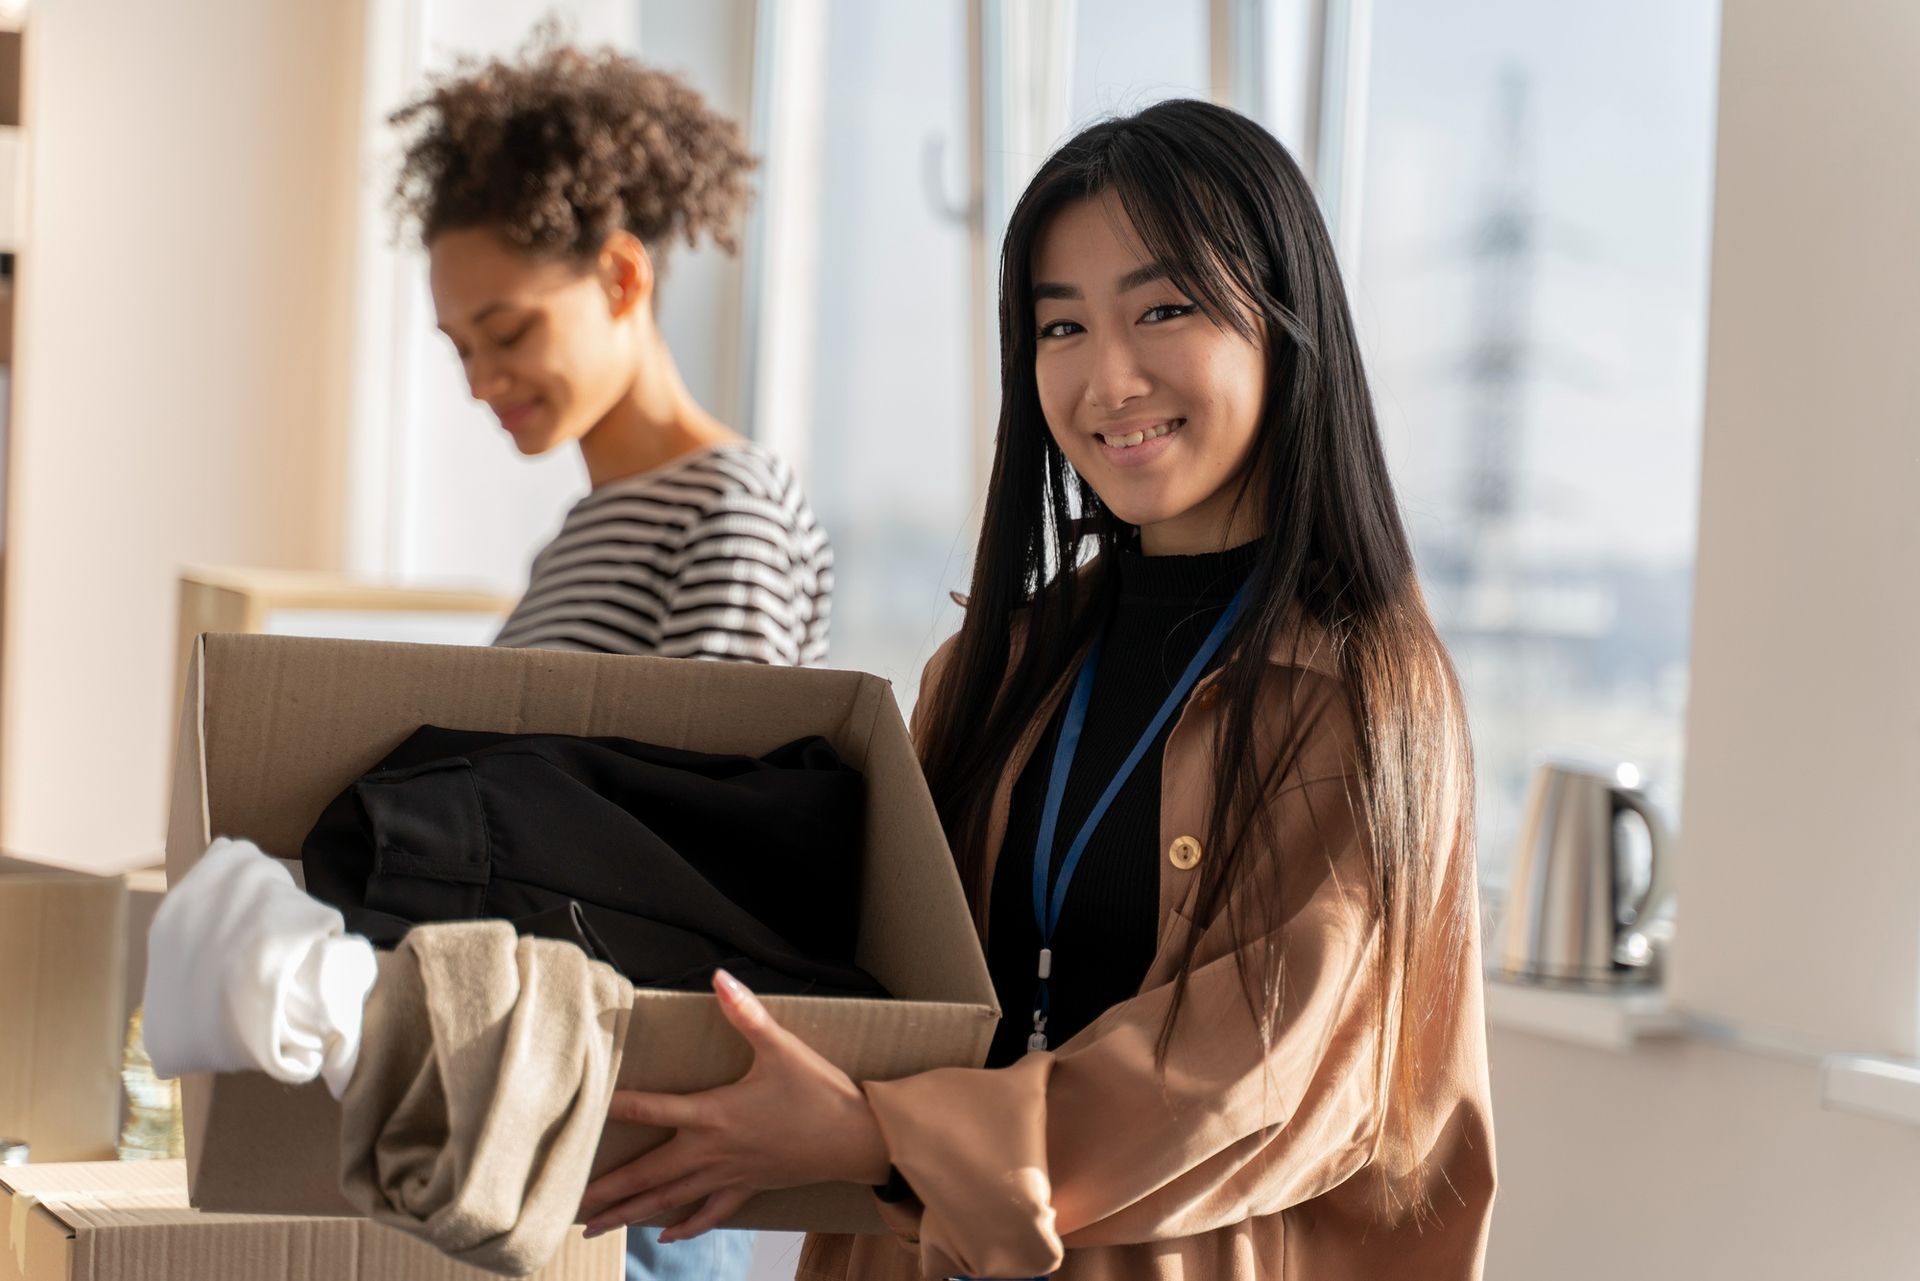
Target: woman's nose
x=1117, y=376
x=484, y=378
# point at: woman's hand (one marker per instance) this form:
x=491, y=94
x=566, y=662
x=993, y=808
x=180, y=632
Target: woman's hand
x=793, y=1119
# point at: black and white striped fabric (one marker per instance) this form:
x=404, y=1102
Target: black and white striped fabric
x=714, y=555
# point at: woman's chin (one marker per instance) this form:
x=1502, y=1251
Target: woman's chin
x=1139, y=515
x=535, y=443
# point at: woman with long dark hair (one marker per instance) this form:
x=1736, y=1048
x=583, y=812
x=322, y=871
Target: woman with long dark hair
x=1203, y=763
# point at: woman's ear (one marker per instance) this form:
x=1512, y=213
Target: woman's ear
x=625, y=269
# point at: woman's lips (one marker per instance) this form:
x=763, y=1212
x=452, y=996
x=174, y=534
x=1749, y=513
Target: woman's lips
x=514, y=417
x=1150, y=446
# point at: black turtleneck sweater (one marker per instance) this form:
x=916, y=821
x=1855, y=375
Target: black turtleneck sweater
x=1104, y=943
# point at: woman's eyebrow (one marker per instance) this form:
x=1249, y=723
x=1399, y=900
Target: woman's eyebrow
x=1146, y=275
x=1153, y=271
x=492, y=308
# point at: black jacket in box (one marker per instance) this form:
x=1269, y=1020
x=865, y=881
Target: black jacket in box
x=678, y=861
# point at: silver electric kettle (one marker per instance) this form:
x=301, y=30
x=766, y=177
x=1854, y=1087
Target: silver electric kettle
x=1574, y=911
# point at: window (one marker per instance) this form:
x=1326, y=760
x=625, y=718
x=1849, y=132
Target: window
x=1129, y=54
x=1530, y=280
x=890, y=436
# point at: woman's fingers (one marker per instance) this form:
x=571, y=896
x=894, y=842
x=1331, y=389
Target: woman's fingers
x=667, y=1111
x=681, y=1172
x=720, y=1207
x=743, y=1009
x=665, y=1165
x=671, y=1196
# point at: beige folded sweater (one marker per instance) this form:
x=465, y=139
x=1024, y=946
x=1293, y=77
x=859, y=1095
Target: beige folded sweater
x=485, y=1071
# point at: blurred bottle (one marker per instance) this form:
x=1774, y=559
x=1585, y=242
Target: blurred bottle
x=154, y=1130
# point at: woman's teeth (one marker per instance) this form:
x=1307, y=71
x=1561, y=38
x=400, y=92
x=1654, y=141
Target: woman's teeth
x=1141, y=437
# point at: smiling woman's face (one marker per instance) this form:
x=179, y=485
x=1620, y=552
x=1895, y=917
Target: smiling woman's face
x=541, y=342
x=1154, y=404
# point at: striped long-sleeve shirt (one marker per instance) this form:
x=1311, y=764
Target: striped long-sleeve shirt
x=713, y=555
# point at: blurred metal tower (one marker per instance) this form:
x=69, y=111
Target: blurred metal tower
x=1504, y=245
x=1503, y=248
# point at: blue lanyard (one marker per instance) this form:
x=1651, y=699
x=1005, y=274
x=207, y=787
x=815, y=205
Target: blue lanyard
x=1046, y=910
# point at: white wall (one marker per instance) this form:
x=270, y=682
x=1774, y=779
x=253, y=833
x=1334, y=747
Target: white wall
x=1800, y=884
x=1800, y=870
x=1690, y=1162
x=182, y=371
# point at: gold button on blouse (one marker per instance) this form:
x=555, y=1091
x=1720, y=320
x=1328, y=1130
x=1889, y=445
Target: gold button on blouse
x=1184, y=853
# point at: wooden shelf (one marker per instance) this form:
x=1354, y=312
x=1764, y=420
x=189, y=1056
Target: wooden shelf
x=230, y=599
x=267, y=590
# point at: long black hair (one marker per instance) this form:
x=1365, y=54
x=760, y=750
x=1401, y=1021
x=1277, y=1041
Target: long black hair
x=1220, y=204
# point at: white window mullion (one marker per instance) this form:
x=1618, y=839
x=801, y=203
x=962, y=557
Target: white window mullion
x=384, y=301
x=1024, y=95
x=1340, y=146
x=1283, y=53
x=790, y=99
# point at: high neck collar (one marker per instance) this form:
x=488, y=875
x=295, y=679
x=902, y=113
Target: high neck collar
x=1209, y=577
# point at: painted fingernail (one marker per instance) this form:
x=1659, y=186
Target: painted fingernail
x=591, y=1232
x=729, y=984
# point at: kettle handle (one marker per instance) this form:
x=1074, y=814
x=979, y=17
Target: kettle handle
x=1659, y=845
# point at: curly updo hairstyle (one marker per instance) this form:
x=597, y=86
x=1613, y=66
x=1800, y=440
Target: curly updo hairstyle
x=560, y=148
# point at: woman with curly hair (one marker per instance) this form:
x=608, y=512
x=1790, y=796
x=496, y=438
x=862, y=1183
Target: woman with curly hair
x=547, y=192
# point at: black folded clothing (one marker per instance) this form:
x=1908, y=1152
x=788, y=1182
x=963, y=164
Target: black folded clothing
x=672, y=862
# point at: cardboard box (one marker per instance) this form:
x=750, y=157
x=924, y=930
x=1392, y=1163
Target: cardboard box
x=276, y=726
x=62, y=984
x=129, y=1221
